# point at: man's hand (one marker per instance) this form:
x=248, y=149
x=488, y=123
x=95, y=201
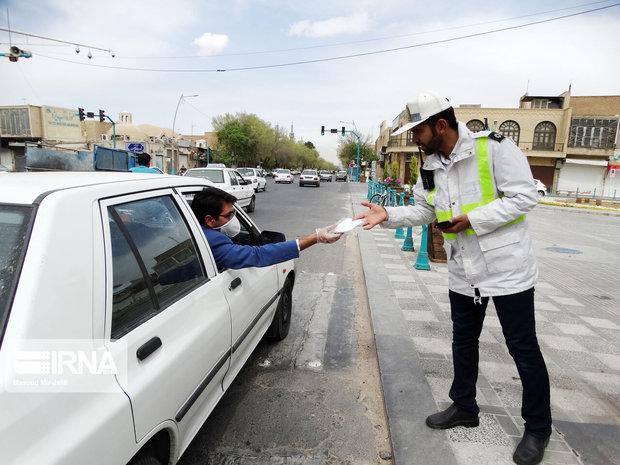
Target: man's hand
x=458, y=223
x=372, y=217
x=327, y=235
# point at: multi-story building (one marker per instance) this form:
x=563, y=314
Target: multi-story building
x=570, y=142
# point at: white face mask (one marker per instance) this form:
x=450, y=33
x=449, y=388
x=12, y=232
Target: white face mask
x=232, y=228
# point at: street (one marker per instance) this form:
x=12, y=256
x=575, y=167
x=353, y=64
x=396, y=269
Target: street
x=317, y=397
x=314, y=398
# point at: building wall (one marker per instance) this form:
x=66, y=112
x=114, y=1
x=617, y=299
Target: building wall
x=601, y=106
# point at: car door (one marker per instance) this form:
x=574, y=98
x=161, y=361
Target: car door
x=253, y=296
x=246, y=191
x=166, y=312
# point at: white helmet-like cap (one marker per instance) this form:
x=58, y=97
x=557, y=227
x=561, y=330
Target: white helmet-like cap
x=427, y=104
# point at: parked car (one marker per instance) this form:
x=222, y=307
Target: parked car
x=540, y=187
x=109, y=354
x=341, y=176
x=230, y=180
x=309, y=177
x=325, y=175
x=254, y=175
x=283, y=175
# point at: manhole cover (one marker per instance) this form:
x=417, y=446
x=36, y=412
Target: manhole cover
x=563, y=250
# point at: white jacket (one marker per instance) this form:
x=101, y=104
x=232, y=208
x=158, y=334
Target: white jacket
x=499, y=258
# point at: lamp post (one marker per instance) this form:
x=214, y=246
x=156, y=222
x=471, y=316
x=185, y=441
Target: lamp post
x=173, y=125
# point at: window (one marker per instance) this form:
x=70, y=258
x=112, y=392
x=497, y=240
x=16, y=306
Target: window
x=410, y=137
x=593, y=133
x=475, y=125
x=15, y=222
x=544, y=136
x=540, y=103
x=154, y=260
x=233, y=179
x=240, y=179
x=510, y=129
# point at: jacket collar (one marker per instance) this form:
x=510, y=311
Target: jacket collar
x=464, y=148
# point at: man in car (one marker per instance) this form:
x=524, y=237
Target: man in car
x=215, y=211
x=144, y=163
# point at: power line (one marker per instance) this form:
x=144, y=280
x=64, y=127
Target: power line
x=341, y=57
x=376, y=39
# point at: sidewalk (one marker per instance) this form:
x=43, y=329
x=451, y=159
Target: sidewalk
x=411, y=321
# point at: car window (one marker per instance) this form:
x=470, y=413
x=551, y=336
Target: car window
x=246, y=171
x=14, y=231
x=154, y=260
x=248, y=235
x=233, y=179
x=216, y=176
x=240, y=179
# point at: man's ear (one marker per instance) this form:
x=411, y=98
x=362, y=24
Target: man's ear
x=209, y=221
x=441, y=126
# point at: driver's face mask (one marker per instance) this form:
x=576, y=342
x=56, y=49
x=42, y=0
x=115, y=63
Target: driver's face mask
x=232, y=228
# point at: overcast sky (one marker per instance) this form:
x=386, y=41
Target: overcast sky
x=492, y=69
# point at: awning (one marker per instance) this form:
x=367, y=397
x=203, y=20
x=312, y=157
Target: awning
x=581, y=161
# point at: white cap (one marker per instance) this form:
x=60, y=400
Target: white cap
x=427, y=104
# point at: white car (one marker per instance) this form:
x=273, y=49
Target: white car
x=252, y=174
x=540, y=187
x=229, y=180
x=118, y=334
x=309, y=177
x=283, y=175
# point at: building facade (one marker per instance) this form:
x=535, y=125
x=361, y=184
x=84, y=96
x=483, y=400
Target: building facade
x=570, y=142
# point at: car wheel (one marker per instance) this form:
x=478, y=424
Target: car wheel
x=265, y=188
x=541, y=193
x=250, y=208
x=281, y=322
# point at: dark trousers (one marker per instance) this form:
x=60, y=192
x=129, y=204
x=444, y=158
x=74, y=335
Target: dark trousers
x=516, y=315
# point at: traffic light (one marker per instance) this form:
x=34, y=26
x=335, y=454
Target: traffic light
x=81, y=113
x=322, y=130
x=343, y=130
x=101, y=116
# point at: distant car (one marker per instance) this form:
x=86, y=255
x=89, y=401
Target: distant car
x=252, y=174
x=325, y=175
x=118, y=340
x=540, y=187
x=341, y=176
x=309, y=177
x=283, y=175
x=229, y=180
x=295, y=172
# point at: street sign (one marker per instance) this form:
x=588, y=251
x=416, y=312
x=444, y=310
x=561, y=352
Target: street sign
x=136, y=147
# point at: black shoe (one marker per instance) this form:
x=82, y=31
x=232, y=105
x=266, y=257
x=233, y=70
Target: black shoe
x=451, y=417
x=530, y=450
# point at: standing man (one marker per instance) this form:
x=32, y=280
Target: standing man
x=479, y=187
x=144, y=162
x=215, y=211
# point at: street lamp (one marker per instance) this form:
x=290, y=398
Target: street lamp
x=174, y=158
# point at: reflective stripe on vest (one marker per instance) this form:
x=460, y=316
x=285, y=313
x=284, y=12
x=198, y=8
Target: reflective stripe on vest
x=486, y=186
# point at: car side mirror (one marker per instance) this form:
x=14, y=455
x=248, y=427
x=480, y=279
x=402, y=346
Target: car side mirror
x=272, y=237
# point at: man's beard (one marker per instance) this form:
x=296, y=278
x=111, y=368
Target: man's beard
x=434, y=144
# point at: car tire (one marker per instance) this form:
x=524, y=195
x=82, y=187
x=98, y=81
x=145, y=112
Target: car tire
x=281, y=322
x=145, y=460
x=265, y=188
x=252, y=205
x=541, y=193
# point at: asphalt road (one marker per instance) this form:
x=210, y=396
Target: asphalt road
x=314, y=398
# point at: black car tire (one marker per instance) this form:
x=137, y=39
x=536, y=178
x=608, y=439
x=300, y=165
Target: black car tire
x=281, y=322
x=250, y=208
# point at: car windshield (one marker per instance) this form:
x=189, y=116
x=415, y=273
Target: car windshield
x=309, y=173
x=246, y=171
x=14, y=230
x=211, y=175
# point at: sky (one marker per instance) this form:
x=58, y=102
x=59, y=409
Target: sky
x=306, y=63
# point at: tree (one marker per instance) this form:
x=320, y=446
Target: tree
x=347, y=150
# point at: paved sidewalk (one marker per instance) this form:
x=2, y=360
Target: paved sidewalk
x=578, y=327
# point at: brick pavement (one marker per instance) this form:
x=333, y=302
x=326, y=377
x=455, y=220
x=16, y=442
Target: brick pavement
x=578, y=324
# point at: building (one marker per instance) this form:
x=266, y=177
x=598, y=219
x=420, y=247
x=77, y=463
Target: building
x=570, y=142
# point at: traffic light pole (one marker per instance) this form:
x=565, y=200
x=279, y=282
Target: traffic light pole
x=335, y=131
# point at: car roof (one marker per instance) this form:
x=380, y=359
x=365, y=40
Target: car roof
x=26, y=188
